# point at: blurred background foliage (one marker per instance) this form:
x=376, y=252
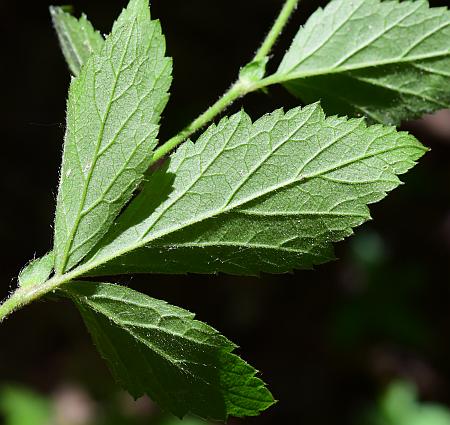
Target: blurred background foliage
x=364, y=340
x=398, y=405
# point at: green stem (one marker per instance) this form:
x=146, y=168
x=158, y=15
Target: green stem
x=239, y=89
x=25, y=295
x=277, y=29
x=10, y=305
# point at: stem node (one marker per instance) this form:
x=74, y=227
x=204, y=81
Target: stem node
x=250, y=79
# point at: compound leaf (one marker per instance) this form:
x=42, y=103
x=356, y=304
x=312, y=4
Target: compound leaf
x=157, y=349
x=114, y=108
x=37, y=271
x=386, y=60
x=77, y=37
x=270, y=196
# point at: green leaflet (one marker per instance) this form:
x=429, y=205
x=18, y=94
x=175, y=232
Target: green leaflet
x=114, y=108
x=388, y=61
x=247, y=198
x=254, y=71
x=37, y=271
x=77, y=37
x=157, y=349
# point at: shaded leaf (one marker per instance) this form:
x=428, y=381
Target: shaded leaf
x=77, y=37
x=157, y=349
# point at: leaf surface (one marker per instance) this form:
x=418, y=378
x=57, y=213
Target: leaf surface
x=37, y=271
x=77, y=37
x=386, y=60
x=114, y=108
x=269, y=196
x=157, y=349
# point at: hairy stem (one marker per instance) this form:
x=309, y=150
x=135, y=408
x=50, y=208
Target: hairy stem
x=276, y=29
x=240, y=88
x=227, y=99
x=25, y=295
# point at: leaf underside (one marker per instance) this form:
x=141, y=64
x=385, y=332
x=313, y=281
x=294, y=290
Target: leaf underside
x=77, y=37
x=114, y=108
x=386, y=60
x=157, y=349
x=269, y=196
x=247, y=198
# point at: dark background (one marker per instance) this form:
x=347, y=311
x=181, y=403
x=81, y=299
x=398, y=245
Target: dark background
x=327, y=341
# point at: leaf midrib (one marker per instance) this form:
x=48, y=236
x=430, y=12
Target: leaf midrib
x=95, y=263
x=247, y=200
x=123, y=323
x=127, y=327
x=280, y=78
x=71, y=239
x=336, y=68
x=378, y=36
